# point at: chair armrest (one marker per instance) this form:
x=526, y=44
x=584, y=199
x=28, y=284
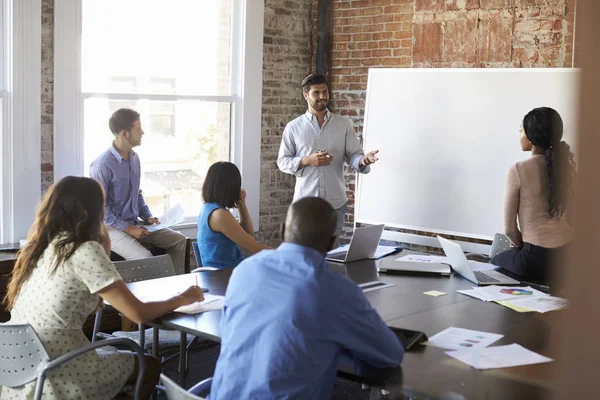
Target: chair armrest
x=201, y=388
x=108, y=342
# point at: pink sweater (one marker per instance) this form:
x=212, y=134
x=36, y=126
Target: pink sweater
x=526, y=199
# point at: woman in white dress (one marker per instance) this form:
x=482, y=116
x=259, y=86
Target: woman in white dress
x=57, y=282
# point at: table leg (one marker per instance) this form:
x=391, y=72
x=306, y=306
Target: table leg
x=182, y=360
x=155, y=332
x=142, y=336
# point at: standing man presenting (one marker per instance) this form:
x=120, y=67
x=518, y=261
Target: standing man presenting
x=125, y=213
x=314, y=146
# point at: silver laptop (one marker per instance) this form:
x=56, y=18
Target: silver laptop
x=464, y=267
x=362, y=245
x=392, y=265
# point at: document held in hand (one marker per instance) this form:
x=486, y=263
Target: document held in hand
x=173, y=216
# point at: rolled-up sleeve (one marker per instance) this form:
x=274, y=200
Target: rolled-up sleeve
x=288, y=161
x=103, y=175
x=144, y=209
x=354, y=151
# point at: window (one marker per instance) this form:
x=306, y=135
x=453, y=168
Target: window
x=190, y=69
x=20, y=124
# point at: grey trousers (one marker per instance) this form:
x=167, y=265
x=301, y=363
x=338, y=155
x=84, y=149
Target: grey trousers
x=130, y=249
x=341, y=212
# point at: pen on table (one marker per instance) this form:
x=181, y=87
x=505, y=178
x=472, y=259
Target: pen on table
x=537, y=286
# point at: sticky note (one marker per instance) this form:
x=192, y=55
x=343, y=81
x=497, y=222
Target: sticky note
x=435, y=293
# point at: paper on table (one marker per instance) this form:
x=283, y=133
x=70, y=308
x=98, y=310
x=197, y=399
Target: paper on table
x=498, y=357
x=540, y=304
x=211, y=302
x=435, y=293
x=507, y=304
x=174, y=215
x=458, y=338
x=423, y=258
x=495, y=293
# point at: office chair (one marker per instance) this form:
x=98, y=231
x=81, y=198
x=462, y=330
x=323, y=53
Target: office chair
x=199, y=260
x=24, y=359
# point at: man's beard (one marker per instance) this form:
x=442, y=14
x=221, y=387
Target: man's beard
x=318, y=106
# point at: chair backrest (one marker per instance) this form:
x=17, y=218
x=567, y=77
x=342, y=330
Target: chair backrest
x=176, y=392
x=22, y=355
x=145, y=268
x=500, y=244
x=197, y=254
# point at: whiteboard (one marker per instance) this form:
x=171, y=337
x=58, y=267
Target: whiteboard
x=446, y=138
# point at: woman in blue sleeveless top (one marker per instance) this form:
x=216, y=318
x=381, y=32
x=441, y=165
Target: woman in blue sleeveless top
x=220, y=235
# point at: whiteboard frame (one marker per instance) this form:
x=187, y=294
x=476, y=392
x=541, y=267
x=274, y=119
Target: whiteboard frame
x=411, y=238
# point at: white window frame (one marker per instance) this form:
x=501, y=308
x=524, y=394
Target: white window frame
x=246, y=98
x=20, y=147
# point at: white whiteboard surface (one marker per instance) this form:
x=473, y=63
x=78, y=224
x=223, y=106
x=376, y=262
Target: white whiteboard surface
x=446, y=138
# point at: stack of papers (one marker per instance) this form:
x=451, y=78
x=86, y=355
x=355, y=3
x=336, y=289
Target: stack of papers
x=498, y=357
x=539, y=304
x=173, y=216
x=458, y=338
x=496, y=293
x=471, y=348
x=211, y=302
x=521, y=299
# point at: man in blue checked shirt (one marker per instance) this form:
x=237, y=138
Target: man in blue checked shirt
x=288, y=319
x=126, y=212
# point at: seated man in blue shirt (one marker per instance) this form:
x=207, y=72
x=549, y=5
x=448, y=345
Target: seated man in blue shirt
x=288, y=319
x=118, y=171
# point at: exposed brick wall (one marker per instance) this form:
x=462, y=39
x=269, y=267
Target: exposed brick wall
x=47, y=111
x=438, y=33
x=286, y=61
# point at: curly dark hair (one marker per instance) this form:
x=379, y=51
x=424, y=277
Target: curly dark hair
x=543, y=127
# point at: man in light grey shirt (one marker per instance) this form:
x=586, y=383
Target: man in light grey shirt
x=314, y=146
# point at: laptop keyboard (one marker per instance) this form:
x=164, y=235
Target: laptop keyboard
x=481, y=277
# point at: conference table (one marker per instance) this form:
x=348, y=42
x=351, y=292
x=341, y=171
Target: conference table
x=426, y=370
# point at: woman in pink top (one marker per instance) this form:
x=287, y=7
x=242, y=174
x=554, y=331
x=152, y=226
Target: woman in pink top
x=536, y=197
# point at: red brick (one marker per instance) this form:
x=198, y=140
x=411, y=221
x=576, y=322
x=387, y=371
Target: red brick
x=494, y=4
x=350, y=13
x=402, y=52
x=384, y=44
x=460, y=40
x=382, y=53
x=428, y=42
x=429, y=5
x=461, y=5
x=362, y=37
x=383, y=35
x=391, y=61
x=393, y=27
x=373, y=45
x=373, y=28
x=403, y=17
x=381, y=19
x=373, y=11
x=495, y=39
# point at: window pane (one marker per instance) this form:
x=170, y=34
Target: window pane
x=173, y=164
x=153, y=46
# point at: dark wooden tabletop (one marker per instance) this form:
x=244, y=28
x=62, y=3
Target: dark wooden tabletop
x=428, y=369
